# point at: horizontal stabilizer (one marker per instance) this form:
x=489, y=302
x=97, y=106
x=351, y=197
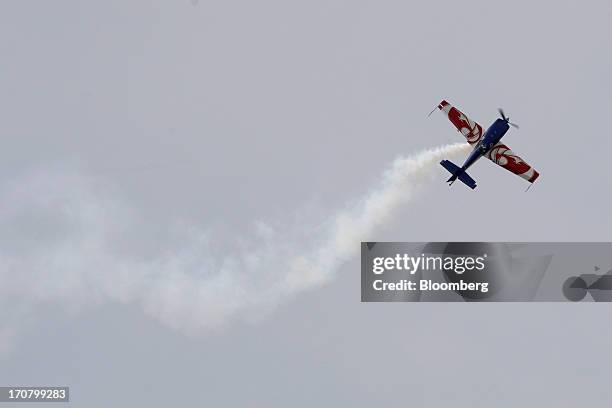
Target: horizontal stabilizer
x=458, y=173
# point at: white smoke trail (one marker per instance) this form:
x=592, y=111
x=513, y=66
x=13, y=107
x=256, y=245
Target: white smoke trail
x=359, y=221
x=58, y=246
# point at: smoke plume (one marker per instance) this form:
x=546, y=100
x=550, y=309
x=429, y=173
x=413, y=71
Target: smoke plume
x=58, y=247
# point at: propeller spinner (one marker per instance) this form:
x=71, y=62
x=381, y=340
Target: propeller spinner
x=501, y=112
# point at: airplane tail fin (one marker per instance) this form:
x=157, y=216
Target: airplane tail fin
x=458, y=173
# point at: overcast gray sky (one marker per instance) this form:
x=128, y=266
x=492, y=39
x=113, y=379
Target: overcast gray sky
x=129, y=127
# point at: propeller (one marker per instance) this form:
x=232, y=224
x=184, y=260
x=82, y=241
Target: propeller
x=501, y=112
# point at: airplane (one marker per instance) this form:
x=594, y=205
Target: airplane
x=487, y=144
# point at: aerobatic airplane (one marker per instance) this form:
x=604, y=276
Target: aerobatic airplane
x=486, y=144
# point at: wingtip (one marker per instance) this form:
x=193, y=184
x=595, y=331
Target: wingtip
x=440, y=106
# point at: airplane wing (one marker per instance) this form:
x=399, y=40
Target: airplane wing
x=502, y=155
x=468, y=128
